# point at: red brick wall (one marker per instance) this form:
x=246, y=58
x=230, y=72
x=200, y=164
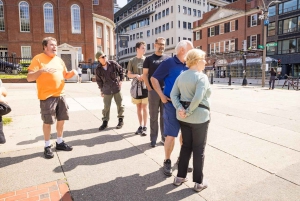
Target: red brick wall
x=14, y=39
x=106, y=8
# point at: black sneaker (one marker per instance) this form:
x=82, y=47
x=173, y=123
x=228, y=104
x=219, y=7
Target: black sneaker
x=167, y=167
x=120, y=124
x=103, y=126
x=144, y=128
x=48, y=152
x=63, y=146
x=139, y=131
x=153, y=144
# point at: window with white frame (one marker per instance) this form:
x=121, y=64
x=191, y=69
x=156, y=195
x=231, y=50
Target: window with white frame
x=26, y=51
x=253, y=41
x=2, y=27
x=24, y=16
x=75, y=19
x=212, y=48
x=227, y=46
x=184, y=10
x=95, y=2
x=80, y=55
x=217, y=47
x=99, y=31
x=212, y=31
x=48, y=18
x=222, y=46
x=232, y=45
x=232, y=26
x=221, y=31
x=253, y=20
x=198, y=35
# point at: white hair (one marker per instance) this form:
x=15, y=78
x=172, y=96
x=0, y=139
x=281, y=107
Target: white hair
x=183, y=44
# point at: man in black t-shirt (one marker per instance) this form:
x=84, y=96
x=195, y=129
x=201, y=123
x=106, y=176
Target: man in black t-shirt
x=150, y=65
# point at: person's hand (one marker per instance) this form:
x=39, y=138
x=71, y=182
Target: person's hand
x=49, y=70
x=75, y=72
x=120, y=83
x=140, y=78
x=102, y=94
x=165, y=99
x=149, y=88
x=182, y=113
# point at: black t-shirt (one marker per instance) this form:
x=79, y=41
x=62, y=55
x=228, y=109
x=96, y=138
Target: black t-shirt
x=152, y=62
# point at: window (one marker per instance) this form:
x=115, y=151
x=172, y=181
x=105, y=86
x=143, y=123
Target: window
x=271, y=29
x=222, y=46
x=159, y=15
x=212, y=48
x=271, y=50
x=217, y=47
x=80, y=55
x=212, y=31
x=148, y=46
x=178, y=8
x=253, y=41
x=164, y=13
x=172, y=25
x=2, y=28
x=26, y=51
x=184, y=25
x=189, y=11
x=159, y=29
x=288, y=6
x=221, y=29
x=253, y=20
x=184, y=10
x=75, y=19
x=141, y=34
x=148, y=33
x=167, y=26
x=95, y=2
x=272, y=11
x=24, y=16
x=167, y=11
x=290, y=25
x=163, y=27
x=198, y=35
x=168, y=42
x=232, y=45
x=189, y=25
x=227, y=46
x=287, y=46
x=199, y=13
x=137, y=35
x=195, y=12
x=178, y=23
x=99, y=32
x=48, y=18
x=232, y=26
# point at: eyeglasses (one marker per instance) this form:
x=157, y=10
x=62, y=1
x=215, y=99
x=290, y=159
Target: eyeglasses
x=160, y=44
x=103, y=56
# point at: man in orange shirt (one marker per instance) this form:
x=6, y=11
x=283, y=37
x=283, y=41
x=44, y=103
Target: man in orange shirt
x=50, y=72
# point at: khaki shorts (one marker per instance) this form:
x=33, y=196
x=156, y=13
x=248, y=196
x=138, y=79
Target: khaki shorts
x=139, y=101
x=54, y=108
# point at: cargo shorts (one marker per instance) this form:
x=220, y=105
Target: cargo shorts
x=54, y=108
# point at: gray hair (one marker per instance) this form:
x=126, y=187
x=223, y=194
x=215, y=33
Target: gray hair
x=183, y=44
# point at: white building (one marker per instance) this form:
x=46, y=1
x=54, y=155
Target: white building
x=145, y=20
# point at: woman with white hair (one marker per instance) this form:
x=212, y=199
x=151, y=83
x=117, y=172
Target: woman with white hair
x=190, y=96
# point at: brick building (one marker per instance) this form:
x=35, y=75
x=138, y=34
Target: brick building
x=227, y=34
x=82, y=25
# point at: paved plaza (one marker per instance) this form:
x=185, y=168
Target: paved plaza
x=252, y=152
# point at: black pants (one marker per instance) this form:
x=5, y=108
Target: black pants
x=272, y=81
x=194, y=140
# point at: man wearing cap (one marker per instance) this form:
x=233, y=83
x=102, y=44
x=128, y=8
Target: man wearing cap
x=109, y=76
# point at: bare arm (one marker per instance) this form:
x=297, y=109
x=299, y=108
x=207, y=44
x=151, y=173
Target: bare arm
x=131, y=75
x=34, y=75
x=145, y=78
x=157, y=88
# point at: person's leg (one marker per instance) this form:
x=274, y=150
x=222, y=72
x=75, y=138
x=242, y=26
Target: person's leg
x=60, y=128
x=139, y=113
x=2, y=137
x=199, y=135
x=169, y=146
x=106, y=109
x=144, y=108
x=270, y=83
x=161, y=120
x=186, y=149
x=154, y=100
x=118, y=99
x=273, y=82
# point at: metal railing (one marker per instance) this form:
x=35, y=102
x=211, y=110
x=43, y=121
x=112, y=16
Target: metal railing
x=12, y=64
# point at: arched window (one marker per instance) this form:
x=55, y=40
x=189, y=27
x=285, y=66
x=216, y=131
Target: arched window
x=24, y=16
x=1, y=16
x=48, y=18
x=75, y=18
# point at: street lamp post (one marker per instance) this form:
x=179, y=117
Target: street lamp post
x=265, y=17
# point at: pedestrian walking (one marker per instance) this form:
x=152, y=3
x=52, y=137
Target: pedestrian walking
x=167, y=72
x=155, y=105
x=139, y=92
x=272, y=78
x=49, y=71
x=190, y=96
x=79, y=71
x=109, y=76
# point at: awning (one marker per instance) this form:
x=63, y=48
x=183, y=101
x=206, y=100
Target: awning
x=252, y=61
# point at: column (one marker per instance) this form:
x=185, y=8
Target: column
x=111, y=41
x=105, y=38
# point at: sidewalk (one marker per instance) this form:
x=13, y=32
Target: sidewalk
x=252, y=150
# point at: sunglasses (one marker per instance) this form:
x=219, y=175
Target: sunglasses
x=103, y=56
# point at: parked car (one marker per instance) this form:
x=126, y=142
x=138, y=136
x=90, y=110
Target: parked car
x=91, y=66
x=8, y=67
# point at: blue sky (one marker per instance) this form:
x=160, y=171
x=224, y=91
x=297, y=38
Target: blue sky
x=122, y=2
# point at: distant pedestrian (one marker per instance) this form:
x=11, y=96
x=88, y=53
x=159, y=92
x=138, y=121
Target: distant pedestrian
x=109, y=76
x=190, y=96
x=167, y=72
x=155, y=105
x=79, y=71
x=49, y=71
x=138, y=87
x=272, y=78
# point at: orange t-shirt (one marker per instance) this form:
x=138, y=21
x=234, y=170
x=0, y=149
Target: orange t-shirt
x=50, y=84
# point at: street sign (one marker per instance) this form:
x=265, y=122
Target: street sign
x=271, y=44
x=266, y=22
x=260, y=47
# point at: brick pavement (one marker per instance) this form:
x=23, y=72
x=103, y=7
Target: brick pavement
x=52, y=191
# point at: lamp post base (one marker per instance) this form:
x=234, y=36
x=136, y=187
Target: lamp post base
x=244, y=82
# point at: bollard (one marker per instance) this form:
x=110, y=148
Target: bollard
x=229, y=83
x=245, y=81
x=211, y=78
